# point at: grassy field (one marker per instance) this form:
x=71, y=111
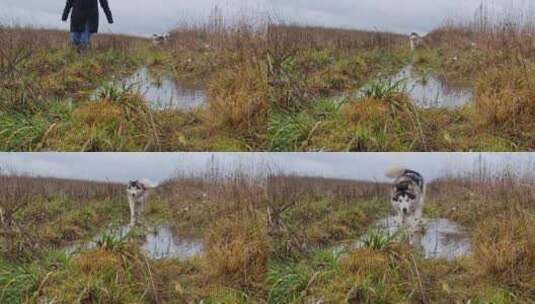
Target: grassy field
x=47, y=88
x=275, y=88
x=265, y=241
x=314, y=74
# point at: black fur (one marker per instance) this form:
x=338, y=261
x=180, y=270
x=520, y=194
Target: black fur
x=414, y=176
x=402, y=188
x=135, y=184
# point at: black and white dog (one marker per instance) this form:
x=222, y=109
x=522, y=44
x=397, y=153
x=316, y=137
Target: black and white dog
x=158, y=39
x=138, y=194
x=407, y=197
x=415, y=41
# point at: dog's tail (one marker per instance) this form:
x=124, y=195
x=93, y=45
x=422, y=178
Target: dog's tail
x=148, y=184
x=395, y=172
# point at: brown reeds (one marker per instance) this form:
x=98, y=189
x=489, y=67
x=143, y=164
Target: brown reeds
x=288, y=38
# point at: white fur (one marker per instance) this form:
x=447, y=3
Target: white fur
x=406, y=215
x=394, y=172
x=415, y=41
x=158, y=39
x=138, y=194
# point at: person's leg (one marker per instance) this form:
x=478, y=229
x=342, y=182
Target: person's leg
x=86, y=36
x=76, y=38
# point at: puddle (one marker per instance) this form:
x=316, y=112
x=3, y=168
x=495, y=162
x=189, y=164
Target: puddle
x=429, y=91
x=160, y=242
x=163, y=92
x=442, y=238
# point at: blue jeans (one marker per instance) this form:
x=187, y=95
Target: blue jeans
x=81, y=38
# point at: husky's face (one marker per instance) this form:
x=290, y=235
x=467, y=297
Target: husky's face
x=404, y=203
x=135, y=189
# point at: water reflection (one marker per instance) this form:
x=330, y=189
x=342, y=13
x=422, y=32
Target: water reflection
x=428, y=91
x=162, y=92
x=159, y=243
x=163, y=243
x=441, y=238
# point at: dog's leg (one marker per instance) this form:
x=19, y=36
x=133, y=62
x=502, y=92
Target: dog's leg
x=400, y=220
x=136, y=212
x=419, y=210
x=411, y=226
x=131, y=203
x=418, y=216
x=415, y=240
x=141, y=210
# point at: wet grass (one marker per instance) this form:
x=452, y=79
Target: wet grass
x=308, y=263
x=289, y=246
x=310, y=68
x=47, y=90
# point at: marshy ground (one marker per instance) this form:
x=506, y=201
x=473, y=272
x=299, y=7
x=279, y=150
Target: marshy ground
x=465, y=88
x=200, y=91
x=278, y=88
x=287, y=239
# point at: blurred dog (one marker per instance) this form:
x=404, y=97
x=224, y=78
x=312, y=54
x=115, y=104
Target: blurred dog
x=407, y=197
x=138, y=194
x=415, y=41
x=159, y=39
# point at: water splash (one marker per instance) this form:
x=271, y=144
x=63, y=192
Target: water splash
x=441, y=237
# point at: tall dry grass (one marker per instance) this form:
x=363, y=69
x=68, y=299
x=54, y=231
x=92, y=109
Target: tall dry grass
x=26, y=202
x=21, y=46
x=509, y=30
x=242, y=34
x=305, y=63
x=24, y=188
x=499, y=208
x=226, y=55
x=498, y=48
x=224, y=204
x=294, y=187
x=291, y=38
x=234, y=188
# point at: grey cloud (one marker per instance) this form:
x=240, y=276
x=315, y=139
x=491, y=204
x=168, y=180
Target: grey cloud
x=160, y=166
x=388, y=15
x=137, y=17
x=142, y=17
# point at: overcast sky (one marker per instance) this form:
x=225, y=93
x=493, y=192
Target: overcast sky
x=160, y=166
x=137, y=17
x=402, y=16
x=143, y=17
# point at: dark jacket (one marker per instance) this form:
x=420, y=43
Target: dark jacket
x=85, y=11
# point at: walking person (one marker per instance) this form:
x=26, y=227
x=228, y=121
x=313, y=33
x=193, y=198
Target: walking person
x=84, y=20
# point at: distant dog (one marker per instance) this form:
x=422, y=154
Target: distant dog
x=407, y=197
x=138, y=194
x=159, y=39
x=415, y=41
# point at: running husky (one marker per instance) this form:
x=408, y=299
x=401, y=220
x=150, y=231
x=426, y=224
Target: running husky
x=138, y=193
x=415, y=41
x=159, y=39
x=407, y=197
